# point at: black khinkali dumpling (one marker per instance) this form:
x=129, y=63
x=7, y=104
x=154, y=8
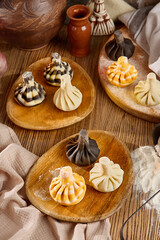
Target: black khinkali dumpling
x=119, y=46
x=82, y=150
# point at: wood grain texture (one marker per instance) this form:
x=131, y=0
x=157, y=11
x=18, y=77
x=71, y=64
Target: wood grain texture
x=97, y=205
x=124, y=96
x=106, y=115
x=46, y=116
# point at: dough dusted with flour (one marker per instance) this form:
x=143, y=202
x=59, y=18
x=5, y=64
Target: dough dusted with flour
x=148, y=92
x=106, y=176
x=147, y=168
x=146, y=162
x=67, y=97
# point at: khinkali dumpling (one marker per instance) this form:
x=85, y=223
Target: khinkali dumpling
x=54, y=70
x=119, y=46
x=121, y=73
x=106, y=176
x=82, y=150
x=68, y=188
x=29, y=93
x=148, y=92
x=67, y=97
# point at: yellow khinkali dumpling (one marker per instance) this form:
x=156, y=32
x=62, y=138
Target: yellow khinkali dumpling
x=67, y=97
x=106, y=176
x=148, y=92
x=121, y=73
x=68, y=188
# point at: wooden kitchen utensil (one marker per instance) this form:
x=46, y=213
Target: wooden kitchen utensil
x=46, y=116
x=95, y=205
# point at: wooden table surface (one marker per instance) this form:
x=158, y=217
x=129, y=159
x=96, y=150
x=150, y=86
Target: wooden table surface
x=105, y=116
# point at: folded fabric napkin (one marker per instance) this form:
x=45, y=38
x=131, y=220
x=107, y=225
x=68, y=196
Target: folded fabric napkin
x=144, y=25
x=20, y=220
x=141, y=3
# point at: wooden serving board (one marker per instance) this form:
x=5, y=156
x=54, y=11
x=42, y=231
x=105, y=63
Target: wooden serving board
x=124, y=97
x=46, y=116
x=95, y=205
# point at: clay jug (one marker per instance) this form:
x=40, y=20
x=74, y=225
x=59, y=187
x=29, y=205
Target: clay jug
x=79, y=30
x=31, y=24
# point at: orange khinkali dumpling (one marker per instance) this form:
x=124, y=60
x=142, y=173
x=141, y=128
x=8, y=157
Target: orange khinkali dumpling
x=68, y=188
x=121, y=73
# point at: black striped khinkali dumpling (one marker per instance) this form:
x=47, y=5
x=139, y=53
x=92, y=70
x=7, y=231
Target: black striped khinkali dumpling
x=119, y=46
x=82, y=150
x=29, y=93
x=54, y=70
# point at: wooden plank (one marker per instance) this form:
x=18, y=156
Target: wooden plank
x=124, y=96
x=97, y=205
x=46, y=116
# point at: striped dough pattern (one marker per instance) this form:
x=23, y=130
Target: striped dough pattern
x=121, y=73
x=68, y=188
x=29, y=93
x=54, y=70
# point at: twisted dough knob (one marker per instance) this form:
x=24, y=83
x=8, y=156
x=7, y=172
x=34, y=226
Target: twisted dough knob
x=119, y=46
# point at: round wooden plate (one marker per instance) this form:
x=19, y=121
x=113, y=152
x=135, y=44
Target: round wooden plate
x=46, y=116
x=124, y=97
x=95, y=205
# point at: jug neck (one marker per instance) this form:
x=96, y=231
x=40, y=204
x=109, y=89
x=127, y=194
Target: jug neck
x=78, y=14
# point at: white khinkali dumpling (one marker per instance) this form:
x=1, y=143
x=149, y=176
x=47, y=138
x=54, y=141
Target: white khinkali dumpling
x=148, y=92
x=106, y=176
x=67, y=97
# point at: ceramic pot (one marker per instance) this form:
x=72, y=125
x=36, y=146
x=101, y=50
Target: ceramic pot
x=31, y=24
x=79, y=30
x=101, y=23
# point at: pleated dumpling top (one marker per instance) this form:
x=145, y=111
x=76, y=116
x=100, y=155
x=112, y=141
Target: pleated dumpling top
x=148, y=92
x=119, y=46
x=67, y=97
x=121, y=73
x=29, y=93
x=82, y=150
x=106, y=176
x=54, y=70
x=68, y=188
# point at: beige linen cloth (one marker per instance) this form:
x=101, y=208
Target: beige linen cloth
x=19, y=219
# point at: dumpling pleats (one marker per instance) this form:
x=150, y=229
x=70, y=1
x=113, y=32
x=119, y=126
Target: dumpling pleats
x=106, y=176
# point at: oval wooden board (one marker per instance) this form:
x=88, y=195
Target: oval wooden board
x=124, y=97
x=95, y=205
x=46, y=116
